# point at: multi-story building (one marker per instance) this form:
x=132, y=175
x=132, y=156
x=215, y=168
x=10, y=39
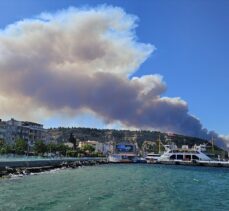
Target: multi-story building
x=2, y=130
x=13, y=129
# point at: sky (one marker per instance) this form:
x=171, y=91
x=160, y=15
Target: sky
x=186, y=43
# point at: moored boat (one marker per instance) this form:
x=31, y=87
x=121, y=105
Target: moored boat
x=122, y=158
x=189, y=156
x=152, y=157
x=183, y=155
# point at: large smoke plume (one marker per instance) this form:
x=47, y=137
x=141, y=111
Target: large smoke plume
x=83, y=60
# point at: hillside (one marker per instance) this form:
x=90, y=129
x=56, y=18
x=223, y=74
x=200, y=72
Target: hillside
x=145, y=139
x=62, y=134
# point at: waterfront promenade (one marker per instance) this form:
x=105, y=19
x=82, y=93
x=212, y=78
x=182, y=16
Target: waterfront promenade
x=38, y=165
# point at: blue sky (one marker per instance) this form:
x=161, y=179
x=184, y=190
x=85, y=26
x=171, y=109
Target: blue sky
x=192, y=41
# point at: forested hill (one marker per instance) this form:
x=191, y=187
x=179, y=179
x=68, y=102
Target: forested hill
x=62, y=134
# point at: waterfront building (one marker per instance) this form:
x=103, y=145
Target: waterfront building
x=103, y=148
x=123, y=153
x=12, y=130
x=2, y=130
x=91, y=143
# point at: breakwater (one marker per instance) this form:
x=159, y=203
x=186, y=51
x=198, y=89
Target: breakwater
x=31, y=166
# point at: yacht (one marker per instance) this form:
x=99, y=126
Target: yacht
x=184, y=155
x=172, y=153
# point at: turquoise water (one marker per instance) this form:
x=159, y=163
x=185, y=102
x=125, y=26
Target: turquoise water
x=119, y=187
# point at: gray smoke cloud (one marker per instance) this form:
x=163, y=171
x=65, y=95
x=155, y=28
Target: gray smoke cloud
x=84, y=59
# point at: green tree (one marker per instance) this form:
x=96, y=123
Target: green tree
x=88, y=148
x=5, y=149
x=72, y=139
x=1, y=142
x=72, y=153
x=40, y=147
x=20, y=146
x=62, y=148
x=51, y=147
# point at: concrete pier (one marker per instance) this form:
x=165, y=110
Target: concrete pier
x=7, y=167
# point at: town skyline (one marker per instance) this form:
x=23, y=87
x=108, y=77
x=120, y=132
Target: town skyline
x=176, y=57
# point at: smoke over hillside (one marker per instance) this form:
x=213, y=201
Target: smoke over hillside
x=84, y=59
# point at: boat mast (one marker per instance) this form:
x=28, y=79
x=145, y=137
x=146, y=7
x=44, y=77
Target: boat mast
x=159, y=144
x=213, y=150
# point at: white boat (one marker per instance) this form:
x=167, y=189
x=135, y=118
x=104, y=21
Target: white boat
x=183, y=154
x=139, y=159
x=173, y=154
x=186, y=156
x=122, y=158
x=152, y=157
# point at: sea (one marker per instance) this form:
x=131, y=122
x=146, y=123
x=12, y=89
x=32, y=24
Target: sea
x=119, y=187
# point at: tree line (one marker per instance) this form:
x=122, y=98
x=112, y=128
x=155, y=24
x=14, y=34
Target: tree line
x=21, y=147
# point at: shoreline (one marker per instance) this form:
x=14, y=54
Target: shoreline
x=37, y=166
x=23, y=168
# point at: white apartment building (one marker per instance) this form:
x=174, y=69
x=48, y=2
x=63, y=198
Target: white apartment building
x=12, y=130
x=104, y=148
